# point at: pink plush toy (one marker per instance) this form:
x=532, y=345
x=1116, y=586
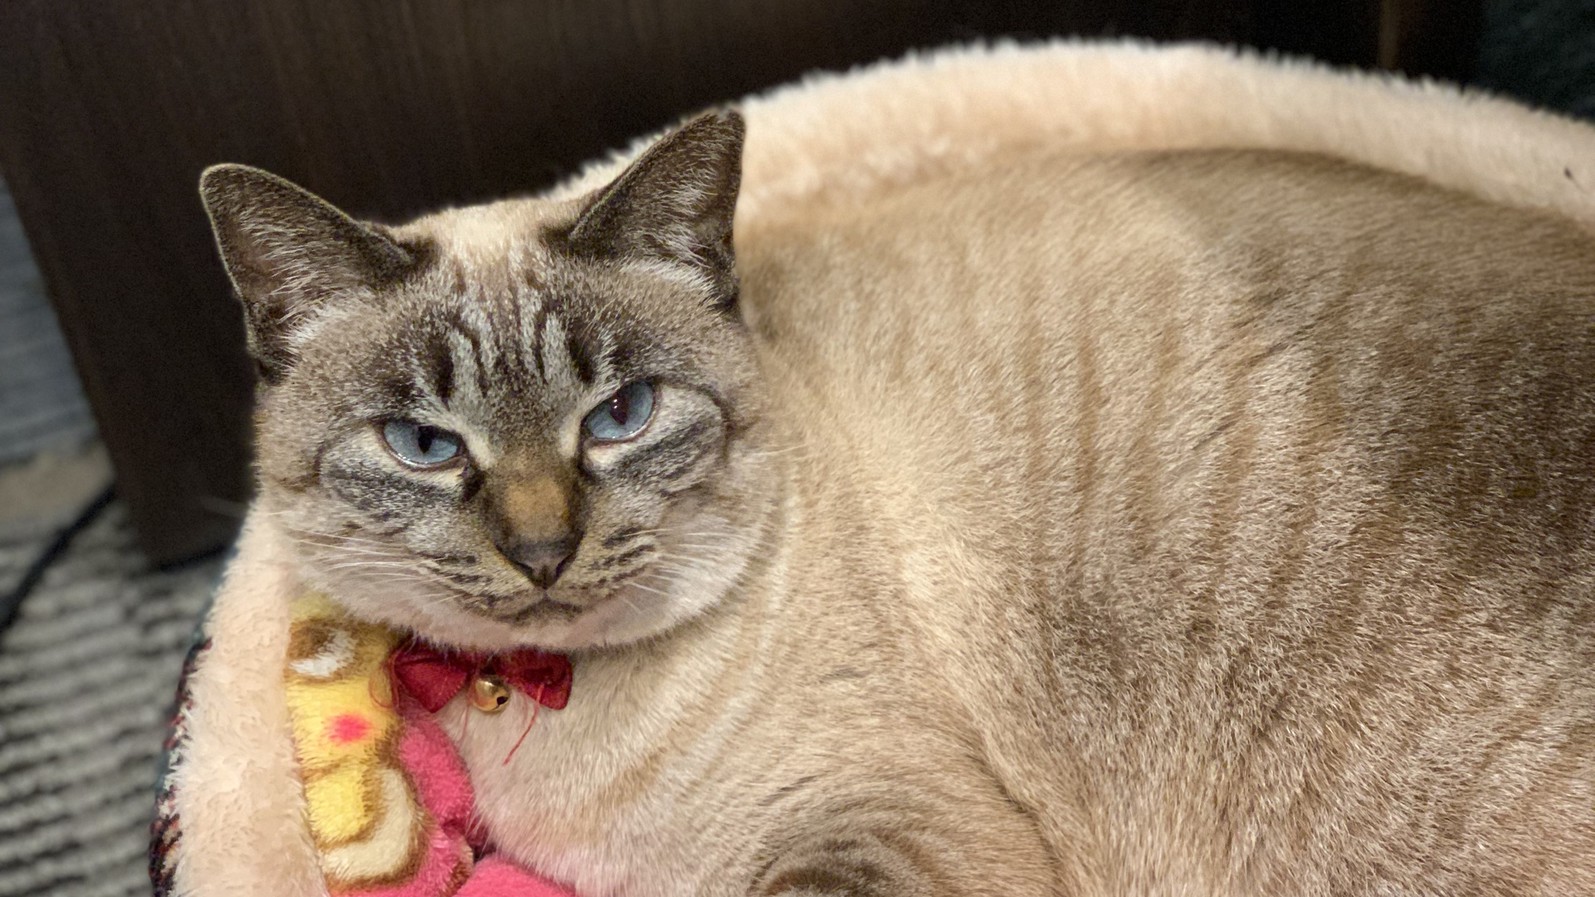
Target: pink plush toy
x=431, y=762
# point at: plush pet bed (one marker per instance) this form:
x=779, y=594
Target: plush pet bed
x=272, y=757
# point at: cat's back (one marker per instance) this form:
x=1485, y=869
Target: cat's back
x=1123, y=329
x=1270, y=478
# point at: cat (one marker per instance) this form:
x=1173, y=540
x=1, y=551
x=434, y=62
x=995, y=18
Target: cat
x=1205, y=522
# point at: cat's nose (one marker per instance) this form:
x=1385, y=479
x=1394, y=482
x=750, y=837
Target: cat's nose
x=542, y=561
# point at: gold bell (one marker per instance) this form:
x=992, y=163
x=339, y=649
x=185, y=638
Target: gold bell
x=489, y=694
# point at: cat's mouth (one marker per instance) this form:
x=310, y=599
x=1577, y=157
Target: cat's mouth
x=572, y=616
x=576, y=614
x=540, y=610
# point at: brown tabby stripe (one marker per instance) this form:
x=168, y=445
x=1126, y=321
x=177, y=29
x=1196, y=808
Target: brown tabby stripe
x=624, y=557
x=398, y=390
x=457, y=323
x=440, y=367
x=788, y=790
x=471, y=483
x=1036, y=374
x=1088, y=405
x=1305, y=450
x=844, y=867
x=464, y=579
x=670, y=457
x=511, y=359
x=622, y=536
x=576, y=346
x=378, y=492
x=1234, y=445
x=1336, y=754
x=551, y=305
x=1143, y=493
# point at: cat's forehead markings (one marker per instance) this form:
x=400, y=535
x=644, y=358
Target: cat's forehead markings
x=559, y=368
x=491, y=262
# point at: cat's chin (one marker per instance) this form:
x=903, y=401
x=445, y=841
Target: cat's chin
x=630, y=613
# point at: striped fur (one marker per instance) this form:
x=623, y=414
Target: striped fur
x=1166, y=523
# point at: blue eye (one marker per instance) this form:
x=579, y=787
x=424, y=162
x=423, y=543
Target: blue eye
x=421, y=445
x=622, y=415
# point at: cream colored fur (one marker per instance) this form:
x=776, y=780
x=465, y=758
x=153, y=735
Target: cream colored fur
x=586, y=799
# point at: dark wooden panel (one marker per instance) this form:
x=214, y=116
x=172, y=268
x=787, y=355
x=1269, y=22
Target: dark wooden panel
x=101, y=132
x=389, y=107
x=1438, y=38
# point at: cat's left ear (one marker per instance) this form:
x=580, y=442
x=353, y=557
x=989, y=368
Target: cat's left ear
x=674, y=204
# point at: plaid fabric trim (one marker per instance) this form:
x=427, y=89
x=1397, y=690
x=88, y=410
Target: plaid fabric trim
x=166, y=831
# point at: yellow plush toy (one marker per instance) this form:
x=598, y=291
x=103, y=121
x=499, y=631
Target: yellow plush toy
x=363, y=814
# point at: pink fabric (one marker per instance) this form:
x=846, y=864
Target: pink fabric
x=498, y=878
x=444, y=790
x=435, y=768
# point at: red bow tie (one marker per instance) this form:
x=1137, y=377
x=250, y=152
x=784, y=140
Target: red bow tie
x=434, y=677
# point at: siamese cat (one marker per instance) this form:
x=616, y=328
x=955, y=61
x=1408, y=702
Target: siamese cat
x=1185, y=523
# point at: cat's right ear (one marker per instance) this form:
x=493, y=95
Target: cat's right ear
x=288, y=253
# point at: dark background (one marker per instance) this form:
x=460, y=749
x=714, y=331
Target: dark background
x=109, y=110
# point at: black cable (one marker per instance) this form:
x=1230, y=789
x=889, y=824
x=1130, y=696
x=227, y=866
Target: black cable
x=11, y=604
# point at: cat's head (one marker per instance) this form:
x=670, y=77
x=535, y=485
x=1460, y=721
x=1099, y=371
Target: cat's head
x=533, y=421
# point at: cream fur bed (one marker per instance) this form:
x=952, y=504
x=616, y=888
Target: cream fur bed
x=234, y=787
